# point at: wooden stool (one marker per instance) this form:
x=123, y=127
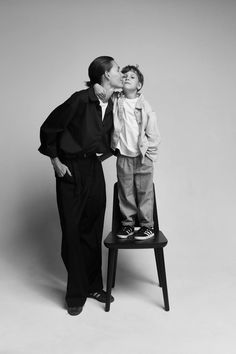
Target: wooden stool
x=113, y=243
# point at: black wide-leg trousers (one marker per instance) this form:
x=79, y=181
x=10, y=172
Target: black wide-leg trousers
x=81, y=203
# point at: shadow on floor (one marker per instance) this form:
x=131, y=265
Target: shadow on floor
x=34, y=250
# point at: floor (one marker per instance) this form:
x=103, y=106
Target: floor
x=201, y=319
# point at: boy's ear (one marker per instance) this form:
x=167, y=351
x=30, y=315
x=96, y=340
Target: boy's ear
x=139, y=86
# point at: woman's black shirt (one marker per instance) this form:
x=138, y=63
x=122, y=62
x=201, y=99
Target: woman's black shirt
x=76, y=126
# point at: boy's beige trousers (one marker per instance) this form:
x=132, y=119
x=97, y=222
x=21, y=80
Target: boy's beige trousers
x=135, y=190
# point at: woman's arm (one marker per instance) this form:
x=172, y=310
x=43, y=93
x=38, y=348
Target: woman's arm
x=56, y=123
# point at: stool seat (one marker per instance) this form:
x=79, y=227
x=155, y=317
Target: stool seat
x=158, y=241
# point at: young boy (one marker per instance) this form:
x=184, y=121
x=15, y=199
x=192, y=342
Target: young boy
x=136, y=138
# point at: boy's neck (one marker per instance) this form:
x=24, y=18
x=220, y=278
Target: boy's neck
x=131, y=94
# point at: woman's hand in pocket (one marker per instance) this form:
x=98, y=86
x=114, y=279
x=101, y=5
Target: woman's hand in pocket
x=60, y=168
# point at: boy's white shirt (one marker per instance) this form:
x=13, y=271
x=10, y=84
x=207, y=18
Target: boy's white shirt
x=149, y=136
x=128, y=140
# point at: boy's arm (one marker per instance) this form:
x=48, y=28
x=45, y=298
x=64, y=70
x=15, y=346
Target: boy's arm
x=105, y=156
x=103, y=94
x=100, y=92
x=152, y=134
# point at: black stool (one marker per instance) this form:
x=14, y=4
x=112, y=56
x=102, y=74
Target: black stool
x=113, y=243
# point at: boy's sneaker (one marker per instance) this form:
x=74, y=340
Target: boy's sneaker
x=125, y=232
x=144, y=233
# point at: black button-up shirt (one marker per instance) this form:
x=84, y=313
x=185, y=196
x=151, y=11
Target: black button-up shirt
x=77, y=126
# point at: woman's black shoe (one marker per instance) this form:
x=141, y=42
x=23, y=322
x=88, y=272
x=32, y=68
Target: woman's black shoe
x=74, y=310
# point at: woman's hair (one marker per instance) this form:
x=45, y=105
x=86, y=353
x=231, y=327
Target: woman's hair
x=97, y=68
x=136, y=70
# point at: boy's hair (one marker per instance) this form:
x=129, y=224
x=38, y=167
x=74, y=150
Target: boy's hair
x=136, y=70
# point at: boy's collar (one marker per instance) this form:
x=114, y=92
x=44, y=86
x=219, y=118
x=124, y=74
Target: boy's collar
x=121, y=94
x=139, y=96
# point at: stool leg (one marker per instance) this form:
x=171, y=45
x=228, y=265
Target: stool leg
x=110, y=272
x=114, y=271
x=160, y=256
x=158, y=267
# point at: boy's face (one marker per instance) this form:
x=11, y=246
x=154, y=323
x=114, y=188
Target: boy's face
x=131, y=82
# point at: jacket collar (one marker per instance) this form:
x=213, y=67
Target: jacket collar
x=91, y=95
x=139, y=103
x=93, y=98
x=109, y=106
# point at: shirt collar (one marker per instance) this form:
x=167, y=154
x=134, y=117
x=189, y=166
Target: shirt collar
x=139, y=101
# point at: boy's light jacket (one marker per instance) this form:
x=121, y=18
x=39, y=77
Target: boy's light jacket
x=149, y=136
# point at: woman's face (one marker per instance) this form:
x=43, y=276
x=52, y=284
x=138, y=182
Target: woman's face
x=114, y=76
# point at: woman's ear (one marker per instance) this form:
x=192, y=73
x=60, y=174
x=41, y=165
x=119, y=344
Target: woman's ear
x=107, y=75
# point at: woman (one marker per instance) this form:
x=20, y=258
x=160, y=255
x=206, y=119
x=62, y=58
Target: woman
x=73, y=136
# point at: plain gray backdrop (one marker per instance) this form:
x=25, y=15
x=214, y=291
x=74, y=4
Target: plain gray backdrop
x=186, y=51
